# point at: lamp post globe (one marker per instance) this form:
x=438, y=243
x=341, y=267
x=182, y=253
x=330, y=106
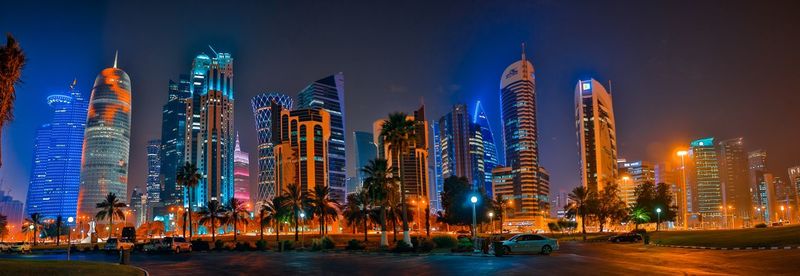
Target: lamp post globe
x=658, y=215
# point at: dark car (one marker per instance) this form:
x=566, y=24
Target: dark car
x=627, y=237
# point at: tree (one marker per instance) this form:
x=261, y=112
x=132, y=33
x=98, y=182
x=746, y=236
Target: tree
x=111, y=207
x=457, y=206
x=650, y=197
x=36, y=220
x=553, y=226
x=236, y=214
x=210, y=215
x=297, y=201
x=266, y=214
x=3, y=225
x=12, y=59
x=567, y=225
x=499, y=206
x=358, y=210
x=379, y=180
x=188, y=177
x=638, y=216
x=607, y=206
x=580, y=206
x=59, y=222
x=323, y=207
x=397, y=130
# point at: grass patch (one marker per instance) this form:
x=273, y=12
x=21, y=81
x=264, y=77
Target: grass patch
x=36, y=267
x=752, y=237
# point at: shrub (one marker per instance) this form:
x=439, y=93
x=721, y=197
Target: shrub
x=354, y=245
x=242, y=246
x=328, y=243
x=200, y=245
x=642, y=232
x=464, y=245
x=761, y=225
x=316, y=245
x=261, y=245
x=218, y=245
x=425, y=246
x=444, y=241
x=402, y=247
x=287, y=244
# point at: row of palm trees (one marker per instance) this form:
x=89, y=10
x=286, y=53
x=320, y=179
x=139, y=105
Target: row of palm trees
x=293, y=205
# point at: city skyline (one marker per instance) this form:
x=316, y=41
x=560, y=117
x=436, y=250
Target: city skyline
x=556, y=131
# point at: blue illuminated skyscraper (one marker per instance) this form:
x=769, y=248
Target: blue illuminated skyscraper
x=366, y=150
x=107, y=139
x=153, y=187
x=173, y=135
x=461, y=145
x=438, y=180
x=328, y=94
x=262, y=111
x=55, y=178
x=490, y=158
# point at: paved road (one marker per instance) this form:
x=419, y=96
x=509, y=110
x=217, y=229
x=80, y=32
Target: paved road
x=574, y=258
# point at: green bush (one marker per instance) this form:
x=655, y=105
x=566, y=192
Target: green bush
x=445, y=241
x=425, y=246
x=402, y=247
x=464, y=245
x=242, y=246
x=354, y=245
x=261, y=245
x=316, y=245
x=218, y=245
x=328, y=243
x=761, y=225
x=287, y=244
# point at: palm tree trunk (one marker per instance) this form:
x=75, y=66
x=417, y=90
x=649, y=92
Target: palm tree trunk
x=384, y=241
x=110, y=224
x=428, y=221
x=406, y=236
x=184, y=224
x=234, y=229
x=261, y=225
x=394, y=227
x=296, y=235
x=189, y=211
x=583, y=226
x=365, y=228
x=321, y=226
x=34, y=234
x=213, y=230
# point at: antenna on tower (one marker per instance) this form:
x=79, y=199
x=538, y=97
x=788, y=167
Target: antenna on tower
x=609, y=86
x=212, y=50
x=116, y=55
x=74, y=83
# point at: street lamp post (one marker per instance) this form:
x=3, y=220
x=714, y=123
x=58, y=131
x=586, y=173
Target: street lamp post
x=491, y=220
x=683, y=199
x=474, y=200
x=302, y=229
x=69, y=236
x=658, y=221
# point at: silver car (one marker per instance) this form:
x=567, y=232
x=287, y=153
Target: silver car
x=530, y=243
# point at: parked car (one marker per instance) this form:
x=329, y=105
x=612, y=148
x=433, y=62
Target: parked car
x=5, y=247
x=530, y=243
x=113, y=244
x=626, y=237
x=154, y=245
x=128, y=234
x=177, y=244
x=21, y=247
x=462, y=234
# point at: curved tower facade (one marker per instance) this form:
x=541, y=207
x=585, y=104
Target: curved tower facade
x=490, y=157
x=265, y=188
x=106, y=144
x=597, y=136
x=520, y=134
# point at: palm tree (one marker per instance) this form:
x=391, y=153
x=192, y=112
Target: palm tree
x=395, y=207
x=580, y=206
x=398, y=131
x=12, y=59
x=110, y=207
x=358, y=211
x=36, y=220
x=297, y=201
x=323, y=207
x=499, y=206
x=210, y=215
x=59, y=222
x=639, y=216
x=188, y=177
x=237, y=214
x=378, y=182
x=265, y=215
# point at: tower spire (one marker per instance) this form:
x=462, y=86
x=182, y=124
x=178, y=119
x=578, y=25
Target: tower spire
x=525, y=72
x=236, y=147
x=116, y=54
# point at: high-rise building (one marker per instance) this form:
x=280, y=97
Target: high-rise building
x=490, y=154
x=138, y=207
x=461, y=145
x=784, y=197
x=794, y=180
x=735, y=181
x=328, y=94
x=597, y=138
x=366, y=150
x=211, y=134
x=520, y=134
x=632, y=174
x=756, y=162
x=262, y=110
x=153, y=172
x=55, y=178
x=709, y=189
x=241, y=174
x=301, y=147
x=173, y=140
x=764, y=196
x=414, y=166
x=106, y=142
x=437, y=181
x=11, y=208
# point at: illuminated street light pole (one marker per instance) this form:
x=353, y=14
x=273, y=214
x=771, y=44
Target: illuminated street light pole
x=474, y=200
x=658, y=221
x=302, y=229
x=69, y=236
x=491, y=220
x=684, y=202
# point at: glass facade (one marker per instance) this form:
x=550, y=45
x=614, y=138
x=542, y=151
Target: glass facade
x=106, y=141
x=153, y=172
x=241, y=173
x=709, y=188
x=173, y=133
x=366, y=150
x=490, y=157
x=262, y=111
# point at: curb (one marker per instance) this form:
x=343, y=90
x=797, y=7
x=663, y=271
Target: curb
x=141, y=269
x=729, y=248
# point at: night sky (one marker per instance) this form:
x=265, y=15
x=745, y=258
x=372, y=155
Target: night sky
x=679, y=70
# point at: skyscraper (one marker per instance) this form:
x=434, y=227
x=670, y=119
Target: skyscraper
x=597, y=138
x=173, y=140
x=757, y=162
x=11, y=208
x=153, y=172
x=414, y=167
x=241, y=173
x=461, y=145
x=632, y=174
x=301, y=147
x=262, y=110
x=733, y=171
x=328, y=94
x=518, y=102
x=106, y=142
x=55, y=178
x=709, y=188
x=794, y=180
x=211, y=133
x=366, y=150
x=437, y=183
x=490, y=157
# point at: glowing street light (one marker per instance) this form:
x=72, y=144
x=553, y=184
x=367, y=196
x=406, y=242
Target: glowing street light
x=474, y=200
x=658, y=215
x=491, y=220
x=683, y=199
x=69, y=237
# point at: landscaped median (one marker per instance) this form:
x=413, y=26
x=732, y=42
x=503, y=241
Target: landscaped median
x=752, y=238
x=52, y=268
